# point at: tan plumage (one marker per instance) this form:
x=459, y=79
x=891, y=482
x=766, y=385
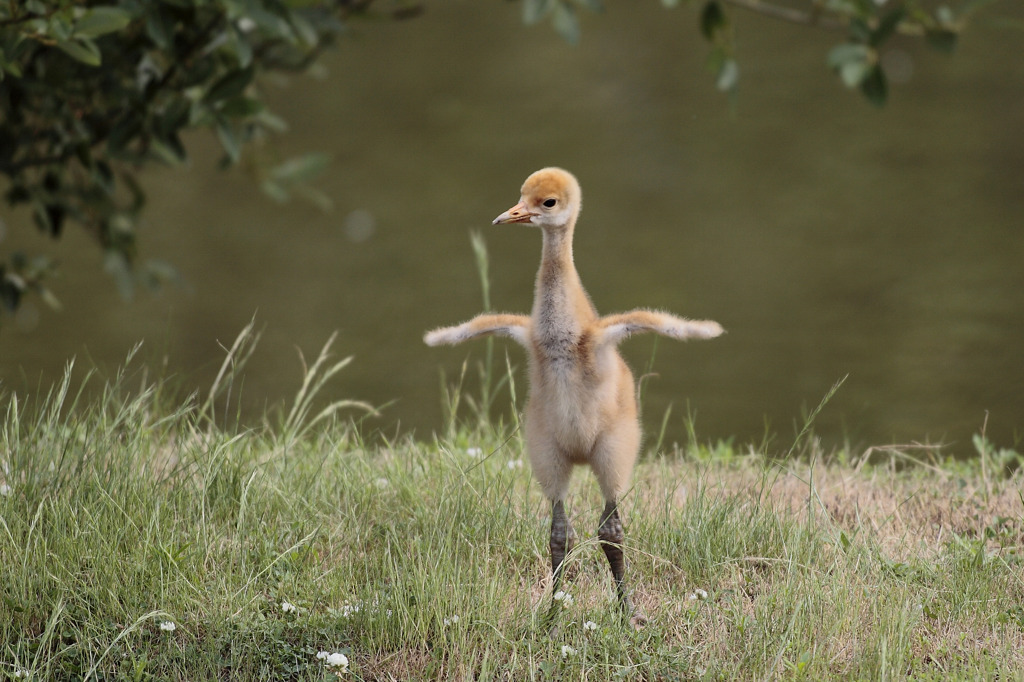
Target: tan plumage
x=581, y=409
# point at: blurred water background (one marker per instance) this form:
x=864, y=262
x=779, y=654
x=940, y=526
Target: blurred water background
x=828, y=237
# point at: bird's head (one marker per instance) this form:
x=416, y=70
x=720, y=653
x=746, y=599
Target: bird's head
x=550, y=198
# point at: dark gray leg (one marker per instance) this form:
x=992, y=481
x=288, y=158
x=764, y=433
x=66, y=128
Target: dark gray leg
x=611, y=535
x=563, y=539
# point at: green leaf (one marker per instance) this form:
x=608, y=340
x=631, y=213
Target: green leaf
x=301, y=168
x=271, y=121
x=728, y=75
x=852, y=61
x=942, y=40
x=716, y=59
x=115, y=264
x=49, y=298
x=229, y=141
x=534, y=10
x=154, y=274
x=59, y=26
x=566, y=23
x=887, y=26
x=874, y=86
x=82, y=49
x=860, y=31
x=10, y=294
x=98, y=21
x=8, y=65
x=840, y=54
x=230, y=85
x=174, y=116
x=271, y=23
x=167, y=151
x=239, y=44
x=138, y=196
x=275, y=191
x=160, y=27
x=853, y=73
x=315, y=197
x=304, y=30
x=242, y=107
x=103, y=176
x=712, y=19
x=123, y=134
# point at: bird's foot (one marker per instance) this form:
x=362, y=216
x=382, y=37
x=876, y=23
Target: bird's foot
x=634, y=615
x=638, y=620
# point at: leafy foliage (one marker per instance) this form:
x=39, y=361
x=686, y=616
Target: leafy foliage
x=91, y=92
x=868, y=24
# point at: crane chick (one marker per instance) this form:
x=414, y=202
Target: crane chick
x=582, y=407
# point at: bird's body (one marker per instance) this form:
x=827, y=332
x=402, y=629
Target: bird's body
x=581, y=408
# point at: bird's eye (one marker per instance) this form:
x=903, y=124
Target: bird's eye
x=550, y=203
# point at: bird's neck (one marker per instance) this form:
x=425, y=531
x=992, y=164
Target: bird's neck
x=557, y=252
x=561, y=306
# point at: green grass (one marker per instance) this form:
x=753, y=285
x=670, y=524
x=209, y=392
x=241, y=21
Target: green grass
x=129, y=509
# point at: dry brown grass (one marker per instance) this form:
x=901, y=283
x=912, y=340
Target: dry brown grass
x=910, y=512
x=945, y=542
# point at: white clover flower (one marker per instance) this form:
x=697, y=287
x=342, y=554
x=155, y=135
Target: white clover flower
x=563, y=597
x=567, y=651
x=288, y=607
x=5, y=490
x=168, y=626
x=336, y=660
x=699, y=594
x=381, y=483
x=19, y=674
x=451, y=621
x=348, y=609
x=589, y=625
x=515, y=464
x=474, y=452
x=333, y=659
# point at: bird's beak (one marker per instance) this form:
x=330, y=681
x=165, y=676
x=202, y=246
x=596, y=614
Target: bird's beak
x=516, y=214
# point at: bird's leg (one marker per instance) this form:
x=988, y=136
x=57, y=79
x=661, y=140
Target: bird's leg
x=563, y=539
x=611, y=535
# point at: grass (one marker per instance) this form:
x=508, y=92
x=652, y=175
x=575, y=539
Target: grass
x=144, y=537
x=128, y=511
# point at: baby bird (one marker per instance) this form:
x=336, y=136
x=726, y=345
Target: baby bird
x=582, y=407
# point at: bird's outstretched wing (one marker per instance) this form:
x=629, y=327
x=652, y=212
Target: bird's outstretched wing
x=515, y=327
x=615, y=328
